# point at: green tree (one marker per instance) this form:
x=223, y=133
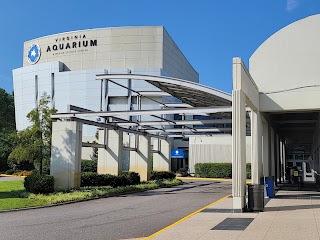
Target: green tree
x=7, y=127
x=7, y=119
x=25, y=151
x=6, y=145
x=33, y=144
x=95, y=149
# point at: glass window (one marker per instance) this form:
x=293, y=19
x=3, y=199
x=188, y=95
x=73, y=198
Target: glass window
x=307, y=157
x=308, y=168
x=290, y=164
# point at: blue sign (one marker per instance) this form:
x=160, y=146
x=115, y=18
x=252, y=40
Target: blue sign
x=177, y=153
x=34, y=54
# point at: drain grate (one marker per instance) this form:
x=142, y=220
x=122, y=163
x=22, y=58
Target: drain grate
x=233, y=224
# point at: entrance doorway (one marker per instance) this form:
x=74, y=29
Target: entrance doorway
x=299, y=157
x=298, y=132
x=297, y=160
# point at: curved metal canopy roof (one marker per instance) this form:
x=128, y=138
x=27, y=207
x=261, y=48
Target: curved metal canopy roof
x=202, y=100
x=194, y=94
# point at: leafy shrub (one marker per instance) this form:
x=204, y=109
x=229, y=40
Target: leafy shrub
x=88, y=165
x=95, y=179
x=217, y=170
x=132, y=177
x=162, y=175
x=10, y=172
x=36, y=183
x=91, y=179
x=119, y=181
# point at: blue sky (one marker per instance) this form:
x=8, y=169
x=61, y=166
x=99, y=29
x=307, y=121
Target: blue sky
x=209, y=32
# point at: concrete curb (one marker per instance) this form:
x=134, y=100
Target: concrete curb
x=205, y=179
x=248, y=181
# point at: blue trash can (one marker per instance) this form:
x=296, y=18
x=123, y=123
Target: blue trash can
x=269, y=183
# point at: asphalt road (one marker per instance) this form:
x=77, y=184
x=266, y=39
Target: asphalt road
x=6, y=179
x=123, y=217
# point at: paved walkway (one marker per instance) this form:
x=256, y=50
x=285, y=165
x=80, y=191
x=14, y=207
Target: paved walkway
x=290, y=215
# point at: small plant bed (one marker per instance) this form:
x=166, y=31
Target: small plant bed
x=84, y=193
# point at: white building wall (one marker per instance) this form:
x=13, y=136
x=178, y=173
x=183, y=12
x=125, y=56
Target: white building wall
x=175, y=63
x=217, y=149
x=26, y=92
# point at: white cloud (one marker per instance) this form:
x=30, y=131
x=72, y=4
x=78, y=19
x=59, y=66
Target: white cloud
x=292, y=4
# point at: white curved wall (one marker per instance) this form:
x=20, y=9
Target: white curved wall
x=290, y=56
x=286, y=67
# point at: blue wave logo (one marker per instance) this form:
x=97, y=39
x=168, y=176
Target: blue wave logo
x=34, y=54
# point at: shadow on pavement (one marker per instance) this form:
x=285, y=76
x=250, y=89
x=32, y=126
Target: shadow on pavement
x=291, y=208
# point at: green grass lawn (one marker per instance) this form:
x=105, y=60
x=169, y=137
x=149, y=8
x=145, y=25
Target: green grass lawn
x=14, y=196
x=9, y=198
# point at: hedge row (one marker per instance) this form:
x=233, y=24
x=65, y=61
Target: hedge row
x=95, y=179
x=217, y=170
x=36, y=183
x=162, y=175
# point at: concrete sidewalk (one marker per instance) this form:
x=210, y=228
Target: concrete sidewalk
x=290, y=215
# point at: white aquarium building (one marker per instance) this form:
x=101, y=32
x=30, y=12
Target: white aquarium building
x=273, y=122
x=65, y=66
